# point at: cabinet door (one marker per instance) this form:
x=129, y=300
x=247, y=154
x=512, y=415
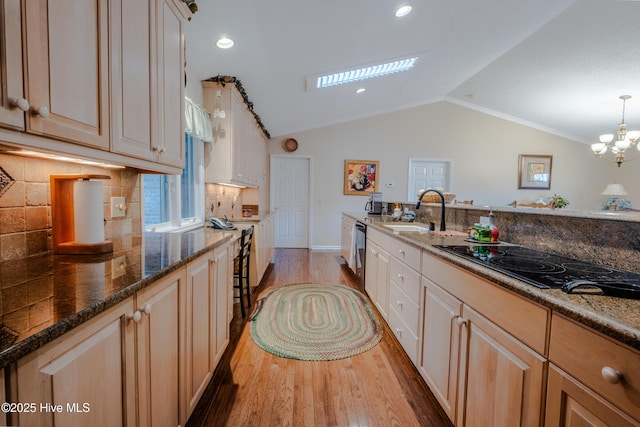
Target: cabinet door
x=500, y=379
x=159, y=351
x=200, y=336
x=88, y=374
x=438, y=362
x=221, y=267
x=240, y=135
x=11, y=66
x=570, y=403
x=132, y=77
x=382, y=283
x=66, y=63
x=371, y=270
x=170, y=83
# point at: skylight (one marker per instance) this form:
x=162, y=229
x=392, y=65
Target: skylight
x=365, y=73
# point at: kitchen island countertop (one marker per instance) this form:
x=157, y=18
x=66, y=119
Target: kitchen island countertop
x=618, y=318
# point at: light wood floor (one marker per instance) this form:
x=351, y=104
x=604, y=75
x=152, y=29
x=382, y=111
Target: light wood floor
x=254, y=388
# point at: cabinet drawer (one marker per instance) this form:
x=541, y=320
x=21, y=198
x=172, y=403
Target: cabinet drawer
x=408, y=339
x=408, y=310
x=406, y=278
x=585, y=354
x=378, y=238
x=406, y=253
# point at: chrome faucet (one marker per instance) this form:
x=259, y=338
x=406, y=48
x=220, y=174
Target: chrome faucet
x=443, y=226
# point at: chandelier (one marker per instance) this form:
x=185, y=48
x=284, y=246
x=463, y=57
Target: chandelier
x=614, y=151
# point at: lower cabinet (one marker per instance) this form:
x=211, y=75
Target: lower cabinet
x=593, y=380
x=376, y=277
x=346, y=239
x=207, y=328
x=144, y=362
x=159, y=343
x=86, y=378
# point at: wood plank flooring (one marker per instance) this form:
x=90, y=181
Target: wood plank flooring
x=254, y=388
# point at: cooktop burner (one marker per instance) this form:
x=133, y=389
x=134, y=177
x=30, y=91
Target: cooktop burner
x=545, y=270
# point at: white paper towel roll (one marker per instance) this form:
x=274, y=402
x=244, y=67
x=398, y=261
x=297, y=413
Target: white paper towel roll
x=88, y=211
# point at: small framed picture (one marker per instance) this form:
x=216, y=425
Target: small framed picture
x=534, y=171
x=360, y=177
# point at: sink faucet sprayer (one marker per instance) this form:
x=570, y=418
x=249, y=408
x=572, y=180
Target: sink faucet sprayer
x=443, y=226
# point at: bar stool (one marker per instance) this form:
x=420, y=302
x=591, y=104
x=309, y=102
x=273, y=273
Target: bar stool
x=241, y=268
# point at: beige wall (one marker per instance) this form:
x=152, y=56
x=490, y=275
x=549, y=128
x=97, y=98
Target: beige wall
x=483, y=151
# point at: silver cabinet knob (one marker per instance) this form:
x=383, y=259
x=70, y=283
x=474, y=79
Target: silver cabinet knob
x=610, y=375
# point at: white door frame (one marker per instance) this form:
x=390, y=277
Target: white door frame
x=311, y=187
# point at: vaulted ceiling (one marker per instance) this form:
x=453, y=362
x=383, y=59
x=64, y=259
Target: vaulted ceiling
x=558, y=65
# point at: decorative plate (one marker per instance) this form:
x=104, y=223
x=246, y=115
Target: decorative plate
x=290, y=145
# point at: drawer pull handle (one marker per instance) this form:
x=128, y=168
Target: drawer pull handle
x=21, y=104
x=401, y=252
x=399, y=332
x=401, y=277
x=400, y=303
x=460, y=321
x=611, y=375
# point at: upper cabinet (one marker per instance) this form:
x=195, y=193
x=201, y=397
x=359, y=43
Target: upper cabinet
x=12, y=102
x=147, y=74
x=66, y=70
x=237, y=155
x=103, y=79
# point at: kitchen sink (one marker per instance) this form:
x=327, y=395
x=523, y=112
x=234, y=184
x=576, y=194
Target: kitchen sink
x=408, y=227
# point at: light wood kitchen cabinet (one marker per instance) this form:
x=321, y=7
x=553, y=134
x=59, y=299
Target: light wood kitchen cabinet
x=603, y=387
x=67, y=70
x=160, y=350
x=480, y=366
x=147, y=72
x=207, y=326
x=440, y=345
x=262, y=249
x=12, y=101
x=376, y=274
x=346, y=239
x=89, y=374
x=570, y=403
x=237, y=153
x=404, y=296
x=500, y=380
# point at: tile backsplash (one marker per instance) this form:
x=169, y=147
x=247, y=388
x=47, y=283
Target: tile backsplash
x=25, y=204
x=221, y=200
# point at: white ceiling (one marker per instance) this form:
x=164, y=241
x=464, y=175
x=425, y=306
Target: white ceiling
x=558, y=65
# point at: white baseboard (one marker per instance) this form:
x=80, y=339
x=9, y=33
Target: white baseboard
x=325, y=248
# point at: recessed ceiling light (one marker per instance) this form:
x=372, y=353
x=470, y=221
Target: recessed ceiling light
x=403, y=11
x=361, y=90
x=225, y=43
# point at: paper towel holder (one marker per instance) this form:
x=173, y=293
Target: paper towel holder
x=62, y=217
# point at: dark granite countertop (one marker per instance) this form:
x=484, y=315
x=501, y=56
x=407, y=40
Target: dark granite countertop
x=44, y=296
x=617, y=318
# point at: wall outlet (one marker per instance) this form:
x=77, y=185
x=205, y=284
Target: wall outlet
x=118, y=207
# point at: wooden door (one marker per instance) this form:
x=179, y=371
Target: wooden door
x=438, y=363
x=290, y=199
x=88, y=374
x=200, y=327
x=500, y=379
x=11, y=92
x=133, y=78
x=570, y=403
x=427, y=173
x=67, y=82
x=158, y=340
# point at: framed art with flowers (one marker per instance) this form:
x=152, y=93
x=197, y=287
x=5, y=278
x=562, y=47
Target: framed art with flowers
x=360, y=177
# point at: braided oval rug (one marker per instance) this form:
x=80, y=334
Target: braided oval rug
x=315, y=322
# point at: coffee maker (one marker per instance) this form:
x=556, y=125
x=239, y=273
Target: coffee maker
x=374, y=205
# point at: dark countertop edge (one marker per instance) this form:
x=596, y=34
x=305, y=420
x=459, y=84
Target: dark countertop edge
x=47, y=335
x=592, y=319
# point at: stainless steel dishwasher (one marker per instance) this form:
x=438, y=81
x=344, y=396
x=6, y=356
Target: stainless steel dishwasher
x=360, y=231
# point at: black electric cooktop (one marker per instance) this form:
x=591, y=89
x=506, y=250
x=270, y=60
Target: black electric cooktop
x=545, y=270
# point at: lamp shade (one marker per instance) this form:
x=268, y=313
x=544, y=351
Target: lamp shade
x=614, y=190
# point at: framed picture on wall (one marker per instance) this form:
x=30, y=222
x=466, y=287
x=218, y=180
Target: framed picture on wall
x=360, y=177
x=534, y=171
